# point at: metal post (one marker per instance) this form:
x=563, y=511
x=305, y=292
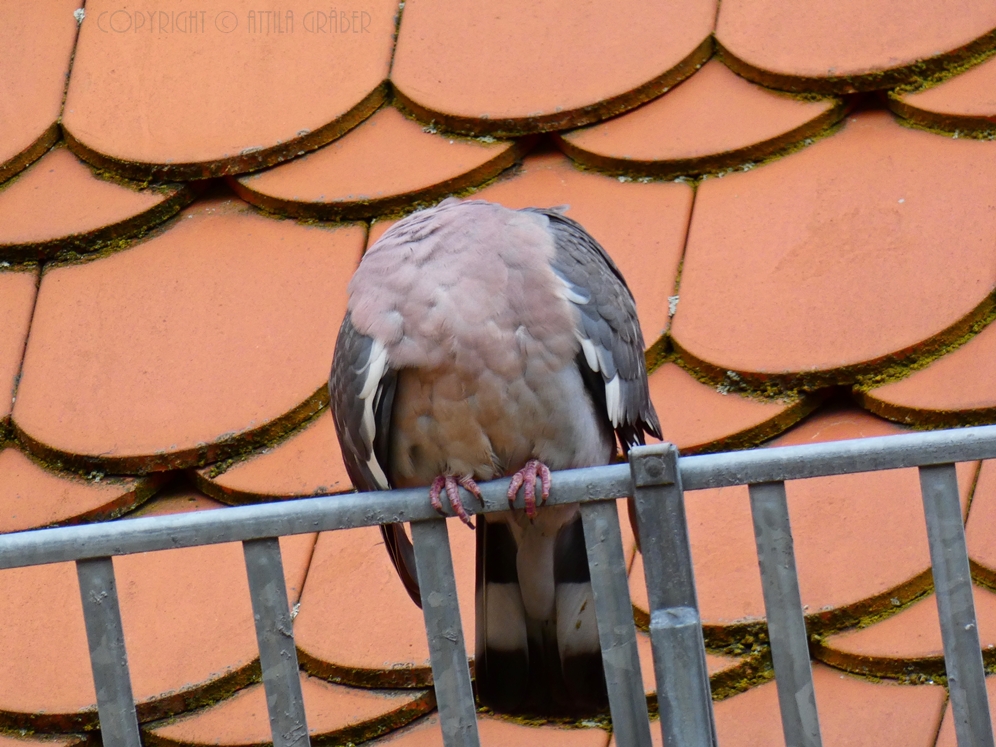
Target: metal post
x=108, y=657
x=955, y=606
x=783, y=607
x=275, y=635
x=684, y=697
x=447, y=652
x=616, y=630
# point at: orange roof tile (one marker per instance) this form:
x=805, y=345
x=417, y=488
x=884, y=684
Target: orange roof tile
x=964, y=104
x=59, y=204
x=221, y=90
x=357, y=624
x=37, y=41
x=908, y=644
x=946, y=735
x=307, y=463
x=386, y=163
x=139, y=376
x=714, y=120
x=851, y=45
x=498, y=733
x=464, y=66
x=32, y=496
x=864, y=250
x=336, y=714
x=698, y=418
x=17, y=301
x=978, y=528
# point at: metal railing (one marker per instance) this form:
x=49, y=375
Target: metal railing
x=656, y=477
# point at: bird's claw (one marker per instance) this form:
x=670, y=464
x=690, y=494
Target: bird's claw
x=527, y=477
x=450, y=484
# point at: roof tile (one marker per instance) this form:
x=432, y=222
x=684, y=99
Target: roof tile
x=864, y=250
x=852, y=711
x=17, y=301
x=964, y=103
x=336, y=714
x=357, y=624
x=714, y=120
x=849, y=568
x=463, y=65
x=850, y=45
x=642, y=226
x=698, y=418
x=979, y=527
x=908, y=644
x=957, y=389
x=32, y=496
x=498, y=733
x=59, y=204
x=946, y=736
x=176, y=660
x=386, y=163
x=307, y=463
x=221, y=90
x=209, y=338
x=37, y=42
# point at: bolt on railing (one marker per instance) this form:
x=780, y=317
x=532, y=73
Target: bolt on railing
x=656, y=478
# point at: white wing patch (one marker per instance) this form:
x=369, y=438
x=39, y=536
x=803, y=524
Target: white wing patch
x=370, y=392
x=613, y=401
x=590, y=354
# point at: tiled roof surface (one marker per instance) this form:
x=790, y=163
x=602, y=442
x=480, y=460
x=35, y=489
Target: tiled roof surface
x=802, y=200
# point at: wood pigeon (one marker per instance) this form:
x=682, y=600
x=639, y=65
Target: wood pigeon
x=482, y=342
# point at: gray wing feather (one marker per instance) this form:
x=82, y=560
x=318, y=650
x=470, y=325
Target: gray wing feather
x=609, y=332
x=361, y=393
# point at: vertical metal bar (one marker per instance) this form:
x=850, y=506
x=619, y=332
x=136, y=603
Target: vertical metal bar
x=275, y=634
x=783, y=607
x=447, y=652
x=108, y=657
x=616, y=630
x=684, y=697
x=956, y=606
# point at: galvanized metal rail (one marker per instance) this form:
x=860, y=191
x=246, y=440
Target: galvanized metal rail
x=656, y=478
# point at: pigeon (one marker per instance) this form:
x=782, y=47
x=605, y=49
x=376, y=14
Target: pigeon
x=482, y=342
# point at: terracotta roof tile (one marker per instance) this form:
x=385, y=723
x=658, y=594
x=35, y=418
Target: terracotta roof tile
x=386, y=163
x=715, y=120
x=32, y=496
x=357, y=624
x=210, y=337
x=463, y=65
x=852, y=711
x=979, y=527
x=908, y=644
x=850, y=45
x=698, y=418
x=221, y=90
x=336, y=714
x=946, y=735
x=59, y=204
x=963, y=104
x=849, y=569
x=17, y=301
x=37, y=42
x=866, y=249
x=642, y=226
x=498, y=733
x=307, y=463
x=957, y=389
x=48, y=740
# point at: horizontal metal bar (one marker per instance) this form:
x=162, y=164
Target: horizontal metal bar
x=838, y=457
x=108, y=658
x=323, y=513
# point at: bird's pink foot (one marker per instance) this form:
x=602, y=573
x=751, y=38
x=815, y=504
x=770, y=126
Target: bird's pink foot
x=449, y=483
x=527, y=477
